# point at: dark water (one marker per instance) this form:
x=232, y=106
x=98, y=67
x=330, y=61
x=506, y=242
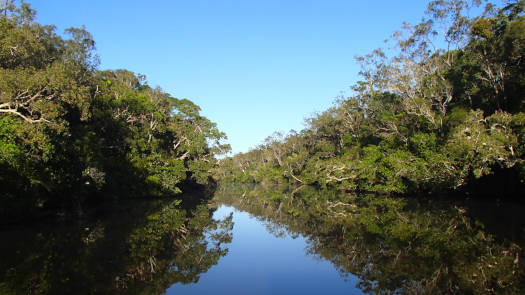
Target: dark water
x=271, y=240
x=138, y=247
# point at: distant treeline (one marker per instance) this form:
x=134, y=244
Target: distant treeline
x=440, y=110
x=70, y=133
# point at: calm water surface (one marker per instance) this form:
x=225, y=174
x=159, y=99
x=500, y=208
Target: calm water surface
x=268, y=240
x=260, y=262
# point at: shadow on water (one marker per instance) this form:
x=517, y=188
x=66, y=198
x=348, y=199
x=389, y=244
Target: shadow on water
x=501, y=218
x=133, y=247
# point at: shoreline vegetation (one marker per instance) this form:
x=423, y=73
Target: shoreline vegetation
x=439, y=112
x=396, y=171
x=71, y=134
x=423, y=120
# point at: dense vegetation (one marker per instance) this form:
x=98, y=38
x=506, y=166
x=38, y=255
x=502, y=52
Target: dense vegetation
x=70, y=133
x=439, y=110
x=395, y=245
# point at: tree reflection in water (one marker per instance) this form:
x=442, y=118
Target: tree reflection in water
x=142, y=248
x=392, y=245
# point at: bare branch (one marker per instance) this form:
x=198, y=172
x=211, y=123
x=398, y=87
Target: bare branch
x=27, y=119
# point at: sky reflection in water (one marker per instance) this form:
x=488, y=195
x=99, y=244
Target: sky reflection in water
x=258, y=262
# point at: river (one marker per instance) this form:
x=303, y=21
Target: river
x=264, y=258
x=271, y=240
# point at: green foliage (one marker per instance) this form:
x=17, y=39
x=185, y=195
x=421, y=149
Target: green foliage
x=70, y=132
x=422, y=120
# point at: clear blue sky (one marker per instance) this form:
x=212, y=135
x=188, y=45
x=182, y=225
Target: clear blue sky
x=254, y=67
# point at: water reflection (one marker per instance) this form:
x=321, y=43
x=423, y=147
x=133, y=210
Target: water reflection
x=261, y=263
x=399, y=246
x=137, y=248
x=380, y=245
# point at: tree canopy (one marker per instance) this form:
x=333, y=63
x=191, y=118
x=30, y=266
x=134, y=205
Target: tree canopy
x=70, y=132
x=439, y=109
